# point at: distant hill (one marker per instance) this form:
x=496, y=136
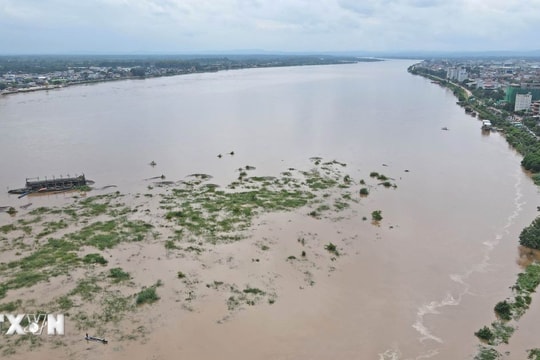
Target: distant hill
x=444, y=54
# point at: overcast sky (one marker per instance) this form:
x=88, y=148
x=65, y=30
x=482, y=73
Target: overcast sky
x=172, y=26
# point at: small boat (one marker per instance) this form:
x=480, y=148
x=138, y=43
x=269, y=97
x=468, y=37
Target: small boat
x=486, y=125
x=93, y=338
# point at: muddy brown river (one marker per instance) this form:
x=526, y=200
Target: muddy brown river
x=418, y=286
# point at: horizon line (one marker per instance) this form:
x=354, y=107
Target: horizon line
x=366, y=53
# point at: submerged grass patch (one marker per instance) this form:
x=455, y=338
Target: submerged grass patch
x=22, y=279
x=196, y=211
x=113, y=307
x=213, y=212
x=147, y=296
x=487, y=353
x=118, y=275
x=108, y=234
x=64, y=303
x=58, y=256
x=316, y=183
x=51, y=227
x=223, y=214
x=86, y=288
x=95, y=259
x=332, y=248
x=7, y=228
x=11, y=306
x=97, y=205
x=376, y=215
x=248, y=296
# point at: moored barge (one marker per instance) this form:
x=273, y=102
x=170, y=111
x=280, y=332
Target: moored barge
x=49, y=185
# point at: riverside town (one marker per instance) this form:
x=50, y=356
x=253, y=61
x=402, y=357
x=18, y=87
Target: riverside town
x=31, y=73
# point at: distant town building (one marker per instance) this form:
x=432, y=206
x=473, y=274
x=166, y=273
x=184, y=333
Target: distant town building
x=523, y=102
x=462, y=75
x=535, y=108
x=487, y=84
x=459, y=74
x=524, y=88
x=532, y=85
x=451, y=73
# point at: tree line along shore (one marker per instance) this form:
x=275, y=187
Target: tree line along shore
x=526, y=142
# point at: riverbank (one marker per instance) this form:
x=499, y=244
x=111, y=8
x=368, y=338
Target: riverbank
x=16, y=74
x=509, y=311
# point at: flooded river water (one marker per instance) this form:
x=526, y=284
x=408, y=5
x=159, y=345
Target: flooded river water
x=416, y=287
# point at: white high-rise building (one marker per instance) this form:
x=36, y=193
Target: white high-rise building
x=462, y=75
x=459, y=74
x=523, y=102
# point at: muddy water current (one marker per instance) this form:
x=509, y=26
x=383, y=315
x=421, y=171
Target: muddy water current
x=417, y=286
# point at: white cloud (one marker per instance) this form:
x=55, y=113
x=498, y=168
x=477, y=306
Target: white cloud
x=303, y=25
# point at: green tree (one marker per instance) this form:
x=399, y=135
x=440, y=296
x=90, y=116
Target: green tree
x=138, y=71
x=484, y=333
x=531, y=161
x=504, y=310
x=530, y=236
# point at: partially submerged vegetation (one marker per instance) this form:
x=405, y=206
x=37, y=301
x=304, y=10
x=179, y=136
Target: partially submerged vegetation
x=530, y=236
x=376, y=215
x=147, y=295
x=332, y=248
x=213, y=214
x=512, y=309
x=533, y=354
x=487, y=353
x=74, y=244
